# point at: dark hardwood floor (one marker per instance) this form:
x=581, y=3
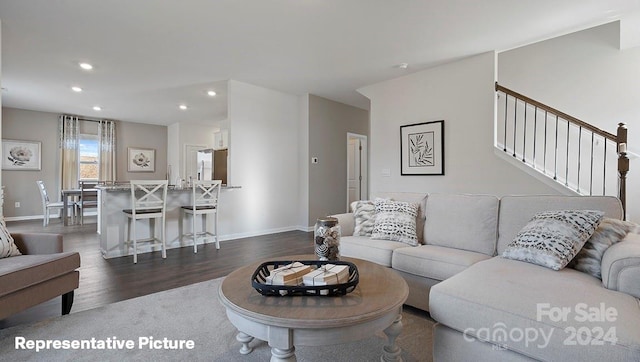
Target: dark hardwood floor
x=105, y=281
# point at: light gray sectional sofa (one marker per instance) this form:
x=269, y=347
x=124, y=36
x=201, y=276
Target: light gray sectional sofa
x=489, y=308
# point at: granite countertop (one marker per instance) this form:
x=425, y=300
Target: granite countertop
x=127, y=187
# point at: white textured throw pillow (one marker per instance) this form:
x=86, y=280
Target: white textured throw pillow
x=609, y=232
x=364, y=214
x=552, y=238
x=7, y=245
x=396, y=221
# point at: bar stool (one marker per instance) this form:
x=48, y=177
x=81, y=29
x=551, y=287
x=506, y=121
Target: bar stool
x=148, y=201
x=204, y=201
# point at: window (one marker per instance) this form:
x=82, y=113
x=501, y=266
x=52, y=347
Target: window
x=88, y=159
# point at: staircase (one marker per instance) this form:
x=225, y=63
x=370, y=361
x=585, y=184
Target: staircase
x=573, y=155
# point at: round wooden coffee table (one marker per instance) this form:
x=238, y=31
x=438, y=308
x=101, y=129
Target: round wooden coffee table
x=375, y=304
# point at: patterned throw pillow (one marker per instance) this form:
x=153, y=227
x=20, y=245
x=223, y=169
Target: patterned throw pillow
x=396, y=221
x=364, y=213
x=609, y=232
x=7, y=246
x=552, y=238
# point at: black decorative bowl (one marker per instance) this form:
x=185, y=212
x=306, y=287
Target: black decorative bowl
x=259, y=277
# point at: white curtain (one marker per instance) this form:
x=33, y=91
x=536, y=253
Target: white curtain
x=107, y=145
x=68, y=142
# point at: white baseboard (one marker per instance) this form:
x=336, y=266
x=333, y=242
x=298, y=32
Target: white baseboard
x=40, y=217
x=262, y=232
x=306, y=229
x=30, y=217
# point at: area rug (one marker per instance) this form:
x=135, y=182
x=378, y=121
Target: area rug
x=151, y=328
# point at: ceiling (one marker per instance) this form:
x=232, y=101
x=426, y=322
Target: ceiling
x=149, y=56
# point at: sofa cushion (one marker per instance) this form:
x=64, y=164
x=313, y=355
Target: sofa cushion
x=466, y=222
x=26, y=270
x=363, y=247
x=516, y=211
x=497, y=300
x=364, y=215
x=609, y=232
x=413, y=197
x=7, y=245
x=553, y=238
x=396, y=221
x=434, y=262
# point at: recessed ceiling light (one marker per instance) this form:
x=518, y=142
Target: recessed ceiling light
x=211, y=93
x=97, y=108
x=403, y=65
x=183, y=107
x=76, y=89
x=86, y=66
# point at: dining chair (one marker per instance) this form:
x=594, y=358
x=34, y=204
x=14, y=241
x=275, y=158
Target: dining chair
x=47, y=205
x=148, y=202
x=88, y=198
x=204, y=201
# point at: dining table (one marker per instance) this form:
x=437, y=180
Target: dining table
x=71, y=195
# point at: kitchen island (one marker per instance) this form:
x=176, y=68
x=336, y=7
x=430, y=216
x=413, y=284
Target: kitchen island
x=113, y=224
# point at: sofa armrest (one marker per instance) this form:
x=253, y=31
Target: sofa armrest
x=38, y=243
x=346, y=222
x=621, y=266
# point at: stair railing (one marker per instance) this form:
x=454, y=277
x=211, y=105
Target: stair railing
x=572, y=152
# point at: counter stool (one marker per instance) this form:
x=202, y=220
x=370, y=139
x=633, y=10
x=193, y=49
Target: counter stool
x=204, y=201
x=148, y=201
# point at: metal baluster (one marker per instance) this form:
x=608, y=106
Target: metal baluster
x=566, y=172
x=506, y=103
x=604, y=174
x=544, y=161
x=524, y=134
x=591, y=177
x=535, y=132
x=515, y=124
x=555, y=165
x=579, y=157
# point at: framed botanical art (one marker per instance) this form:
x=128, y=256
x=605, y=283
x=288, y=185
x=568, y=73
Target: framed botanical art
x=141, y=159
x=422, y=149
x=21, y=155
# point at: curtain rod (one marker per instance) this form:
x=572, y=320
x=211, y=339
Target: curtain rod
x=82, y=118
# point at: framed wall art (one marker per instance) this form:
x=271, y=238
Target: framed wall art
x=141, y=159
x=21, y=155
x=422, y=149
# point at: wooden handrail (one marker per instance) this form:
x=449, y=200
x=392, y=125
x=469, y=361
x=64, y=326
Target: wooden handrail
x=620, y=139
x=560, y=114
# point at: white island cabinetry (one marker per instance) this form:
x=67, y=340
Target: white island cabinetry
x=112, y=222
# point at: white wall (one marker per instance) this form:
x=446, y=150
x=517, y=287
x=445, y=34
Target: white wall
x=304, y=160
x=329, y=123
x=174, y=154
x=462, y=94
x=264, y=128
x=1, y=191
x=586, y=75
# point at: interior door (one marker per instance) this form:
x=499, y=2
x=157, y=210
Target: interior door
x=354, y=171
